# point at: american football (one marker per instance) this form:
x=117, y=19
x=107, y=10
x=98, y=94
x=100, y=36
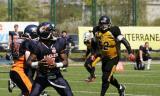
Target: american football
x=79, y=47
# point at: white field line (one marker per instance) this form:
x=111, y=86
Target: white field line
x=87, y=92
x=119, y=75
x=99, y=71
x=136, y=84
x=98, y=74
x=81, y=81
x=156, y=62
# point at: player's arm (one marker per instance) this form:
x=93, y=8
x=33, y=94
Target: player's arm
x=126, y=44
x=27, y=54
x=71, y=41
x=87, y=52
x=95, y=29
x=30, y=60
x=95, y=51
x=96, y=61
x=50, y=61
x=117, y=33
x=141, y=53
x=64, y=61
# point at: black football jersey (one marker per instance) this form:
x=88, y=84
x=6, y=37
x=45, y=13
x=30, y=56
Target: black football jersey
x=20, y=47
x=42, y=50
x=108, y=43
x=146, y=51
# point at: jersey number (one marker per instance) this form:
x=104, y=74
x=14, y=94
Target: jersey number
x=105, y=45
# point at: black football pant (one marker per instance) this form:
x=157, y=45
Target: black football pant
x=22, y=81
x=41, y=83
x=88, y=66
x=108, y=68
x=30, y=73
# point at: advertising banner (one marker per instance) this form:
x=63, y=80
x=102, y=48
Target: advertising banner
x=5, y=27
x=136, y=36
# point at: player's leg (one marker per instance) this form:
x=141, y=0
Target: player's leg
x=149, y=60
x=22, y=81
x=93, y=72
x=62, y=87
x=87, y=64
x=108, y=68
x=149, y=64
x=11, y=85
x=30, y=72
x=106, y=74
x=90, y=69
x=120, y=87
x=38, y=86
x=114, y=81
x=64, y=68
x=137, y=65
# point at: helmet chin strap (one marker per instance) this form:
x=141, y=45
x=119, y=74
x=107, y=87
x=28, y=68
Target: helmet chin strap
x=105, y=27
x=47, y=42
x=49, y=36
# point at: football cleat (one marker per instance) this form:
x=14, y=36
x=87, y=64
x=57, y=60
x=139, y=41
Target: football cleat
x=11, y=85
x=91, y=79
x=121, y=90
x=63, y=69
x=44, y=93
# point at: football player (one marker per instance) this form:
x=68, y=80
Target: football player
x=89, y=64
x=108, y=41
x=50, y=57
x=18, y=70
x=30, y=32
x=69, y=46
x=143, y=57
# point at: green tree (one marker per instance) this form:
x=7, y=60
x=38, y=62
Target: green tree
x=156, y=22
x=25, y=10
x=3, y=11
x=141, y=13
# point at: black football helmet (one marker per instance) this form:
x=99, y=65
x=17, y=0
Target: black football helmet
x=30, y=31
x=45, y=30
x=104, y=23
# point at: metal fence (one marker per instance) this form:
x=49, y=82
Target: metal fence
x=69, y=14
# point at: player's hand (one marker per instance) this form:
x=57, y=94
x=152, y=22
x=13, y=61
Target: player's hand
x=42, y=63
x=93, y=57
x=141, y=60
x=49, y=59
x=120, y=66
x=131, y=57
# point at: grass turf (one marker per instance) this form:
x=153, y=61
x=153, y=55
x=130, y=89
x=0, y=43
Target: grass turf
x=138, y=83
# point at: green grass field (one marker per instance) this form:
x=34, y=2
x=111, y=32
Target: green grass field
x=138, y=83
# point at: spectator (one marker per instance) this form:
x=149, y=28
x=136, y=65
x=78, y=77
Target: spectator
x=69, y=45
x=13, y=38
x=143, y=57
x=69, y=41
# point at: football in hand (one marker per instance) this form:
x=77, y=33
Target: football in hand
x=131, y=57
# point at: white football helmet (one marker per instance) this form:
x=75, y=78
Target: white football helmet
x=88, y=36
